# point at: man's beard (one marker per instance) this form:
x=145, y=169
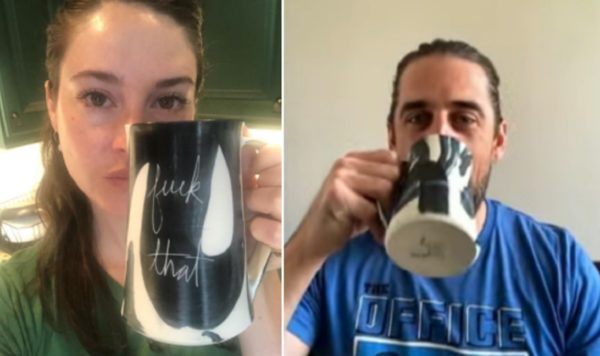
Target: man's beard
x=480, y=188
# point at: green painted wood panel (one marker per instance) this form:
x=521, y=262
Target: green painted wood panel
x=243, y=71
x=22, y=73
x=243, y=56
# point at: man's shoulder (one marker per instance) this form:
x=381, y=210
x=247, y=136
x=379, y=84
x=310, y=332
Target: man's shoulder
x=522, y=232
x=362, y=245
x=362, y=251
x=509, y=218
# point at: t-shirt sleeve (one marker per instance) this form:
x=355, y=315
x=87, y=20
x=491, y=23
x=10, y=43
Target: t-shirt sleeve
x=305, y=321
x=16, y=328
x=582, y=282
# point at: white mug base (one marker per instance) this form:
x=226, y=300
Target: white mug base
x=431, y=245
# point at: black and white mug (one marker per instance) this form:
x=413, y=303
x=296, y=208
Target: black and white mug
x=431, y=229
x=188, y=280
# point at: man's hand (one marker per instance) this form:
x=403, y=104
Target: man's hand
x=347, y=201
x=345, y=205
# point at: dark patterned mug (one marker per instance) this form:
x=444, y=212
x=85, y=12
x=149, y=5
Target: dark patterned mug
x=188, y=281
x=430, y=228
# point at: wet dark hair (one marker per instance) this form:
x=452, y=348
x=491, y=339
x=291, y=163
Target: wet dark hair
x=186, y=13
x=70, y=281
x=452, y=48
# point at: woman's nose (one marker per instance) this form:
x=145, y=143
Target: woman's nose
x=121, y=129
x=120, y=138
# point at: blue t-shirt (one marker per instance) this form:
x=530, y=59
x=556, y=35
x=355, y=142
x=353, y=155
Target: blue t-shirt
x=532, y=291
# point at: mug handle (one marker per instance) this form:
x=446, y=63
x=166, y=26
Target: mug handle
x=257, y=263
x=257, y=266
x=381, y=215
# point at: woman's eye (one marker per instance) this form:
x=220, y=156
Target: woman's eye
x=171, y=102
x=95, y=99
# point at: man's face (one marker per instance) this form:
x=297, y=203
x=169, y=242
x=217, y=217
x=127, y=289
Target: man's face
x=447, y=95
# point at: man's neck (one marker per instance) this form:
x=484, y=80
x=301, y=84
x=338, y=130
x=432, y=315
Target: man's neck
x=480, y=216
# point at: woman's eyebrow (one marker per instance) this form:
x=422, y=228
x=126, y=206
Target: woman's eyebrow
x=100, y=75
x=169, y=82
x=113, y=79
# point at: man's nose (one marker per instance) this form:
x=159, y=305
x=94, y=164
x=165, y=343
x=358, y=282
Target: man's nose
x=441, y=125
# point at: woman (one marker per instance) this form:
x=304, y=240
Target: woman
x=112, y=63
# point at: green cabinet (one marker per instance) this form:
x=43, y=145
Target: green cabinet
x=22, y=73
x=243, y=61
x=242, y=76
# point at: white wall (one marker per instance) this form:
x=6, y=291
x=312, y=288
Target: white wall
x=21, y=170
x=340, y=57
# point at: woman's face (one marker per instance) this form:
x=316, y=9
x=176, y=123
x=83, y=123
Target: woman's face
x=124, y=64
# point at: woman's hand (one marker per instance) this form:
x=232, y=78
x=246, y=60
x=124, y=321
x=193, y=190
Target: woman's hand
x=262, y=193
x=262, y=188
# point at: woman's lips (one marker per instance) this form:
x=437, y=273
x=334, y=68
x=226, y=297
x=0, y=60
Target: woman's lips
x=118, y=176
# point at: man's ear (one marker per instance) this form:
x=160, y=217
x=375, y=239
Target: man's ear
x=50, y=105
x=391, y=136
x=500, y=141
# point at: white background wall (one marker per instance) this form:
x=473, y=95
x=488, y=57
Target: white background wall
x=340, y=57
x=20, y=172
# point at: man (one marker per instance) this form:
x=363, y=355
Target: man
x=531, y=291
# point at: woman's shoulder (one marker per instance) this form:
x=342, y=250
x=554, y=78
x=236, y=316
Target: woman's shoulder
x=19, y=270
x=20, y=309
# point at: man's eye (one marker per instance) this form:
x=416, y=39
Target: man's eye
x=464, y=119
x=171, y=102
x=417, y=118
